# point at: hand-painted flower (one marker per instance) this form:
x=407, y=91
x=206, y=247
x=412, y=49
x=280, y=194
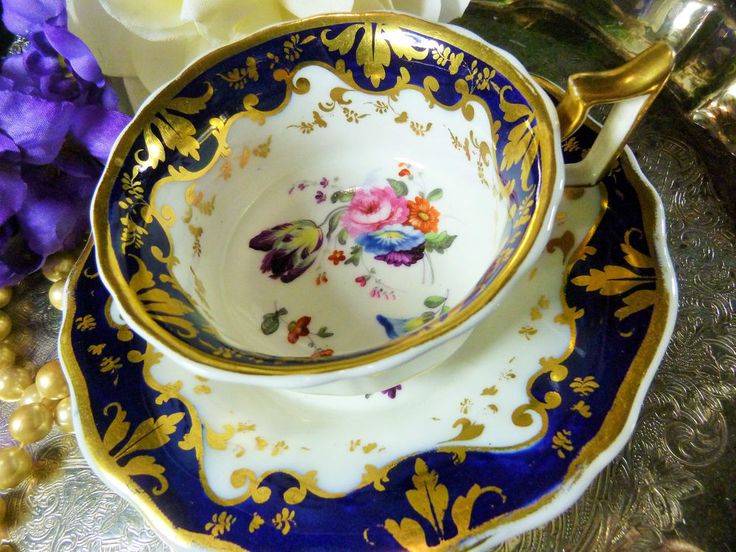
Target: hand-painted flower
x=374, y=208
x=391, y=392
x=298, y=329
x=422, y=215
x=291, y=248
x=403, y=258
x=396, y=237
x=396, y=327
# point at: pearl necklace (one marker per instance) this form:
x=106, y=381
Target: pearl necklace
x=42, y=395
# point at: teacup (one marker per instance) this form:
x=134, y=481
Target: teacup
x=332, y=204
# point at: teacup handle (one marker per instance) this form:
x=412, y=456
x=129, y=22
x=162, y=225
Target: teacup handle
x=632, y=87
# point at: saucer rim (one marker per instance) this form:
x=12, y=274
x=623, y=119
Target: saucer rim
x=580, y=473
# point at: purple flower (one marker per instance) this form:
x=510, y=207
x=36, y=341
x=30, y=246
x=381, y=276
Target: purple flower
x=403, y=258
x=58, y=121
x=391, y=392
x=320, y=196
x=291, y=248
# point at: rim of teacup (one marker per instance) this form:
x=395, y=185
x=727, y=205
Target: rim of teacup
x=436, y=332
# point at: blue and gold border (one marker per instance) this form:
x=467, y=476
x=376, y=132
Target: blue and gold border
x=620, y=294
x=182, y=133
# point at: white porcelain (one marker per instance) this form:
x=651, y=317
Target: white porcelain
x=346, y=240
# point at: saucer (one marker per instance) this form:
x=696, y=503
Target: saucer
x=501, y=438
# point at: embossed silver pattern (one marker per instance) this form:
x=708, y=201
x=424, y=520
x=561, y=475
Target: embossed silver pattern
x=638, y=499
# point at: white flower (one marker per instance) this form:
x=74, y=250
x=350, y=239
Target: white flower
x=148, y=42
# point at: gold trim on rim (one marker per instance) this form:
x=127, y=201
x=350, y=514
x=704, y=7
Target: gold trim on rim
x=612, y=427
x=106, y=258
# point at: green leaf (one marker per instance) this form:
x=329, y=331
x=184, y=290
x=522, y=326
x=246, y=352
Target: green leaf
x=342, y=237
x=445, y=310
x=324, y=332
x=282, y=312
x=434, y=301
x=334, y=221
x=399, y=187
x=342, y=196
x=270, y=323
x=356, y=252
x=434, y=195
x=438, y=242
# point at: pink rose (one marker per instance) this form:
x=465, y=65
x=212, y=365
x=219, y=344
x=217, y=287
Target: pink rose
x=372, y=209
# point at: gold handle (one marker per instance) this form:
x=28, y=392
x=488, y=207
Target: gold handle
x=645, y=74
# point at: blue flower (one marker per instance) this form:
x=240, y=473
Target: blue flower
x=395, y=237
x=396, y=327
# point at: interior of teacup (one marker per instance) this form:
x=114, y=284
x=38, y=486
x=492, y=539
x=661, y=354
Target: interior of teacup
x=326, y=189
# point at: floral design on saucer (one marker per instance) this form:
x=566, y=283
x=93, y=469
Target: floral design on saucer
x=619, y=295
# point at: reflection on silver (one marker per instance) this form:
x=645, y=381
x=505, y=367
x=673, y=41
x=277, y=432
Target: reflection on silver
x=703, y=34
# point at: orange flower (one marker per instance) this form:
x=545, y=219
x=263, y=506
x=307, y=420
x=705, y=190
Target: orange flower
x=319, y=353
x=298, y=329
x=422, y=215
x=336, y=257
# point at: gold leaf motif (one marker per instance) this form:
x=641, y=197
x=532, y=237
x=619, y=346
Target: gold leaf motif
x=582, y=408
x=96, y=350
x=118, y=428
x=375, y=476
x=375, y=48
x=150, y=357
x=465, y=405
x=219, y=441
x=176, y=132
x=158, y=303
x=612, y=280
x=584, y=386
x=220, y=524
x=633, y=257
x=151, y=434
x=255, y=523
x=523, y=143
x=490, y=391
x=635, y=302
x=468, y=431
x=462, y=508
x=111, y=365
x=409, y=534
x=85, y=323
x=202, y=390
x=148, y=435
x=429, y=498
x=146, y=465
x=561, y=443
x=131, y=234
x=564, y=243
x=527, y=332
x=188, y=442
x=284, y=520
x=238, y=77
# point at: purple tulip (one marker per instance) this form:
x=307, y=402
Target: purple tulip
x=58, y=121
